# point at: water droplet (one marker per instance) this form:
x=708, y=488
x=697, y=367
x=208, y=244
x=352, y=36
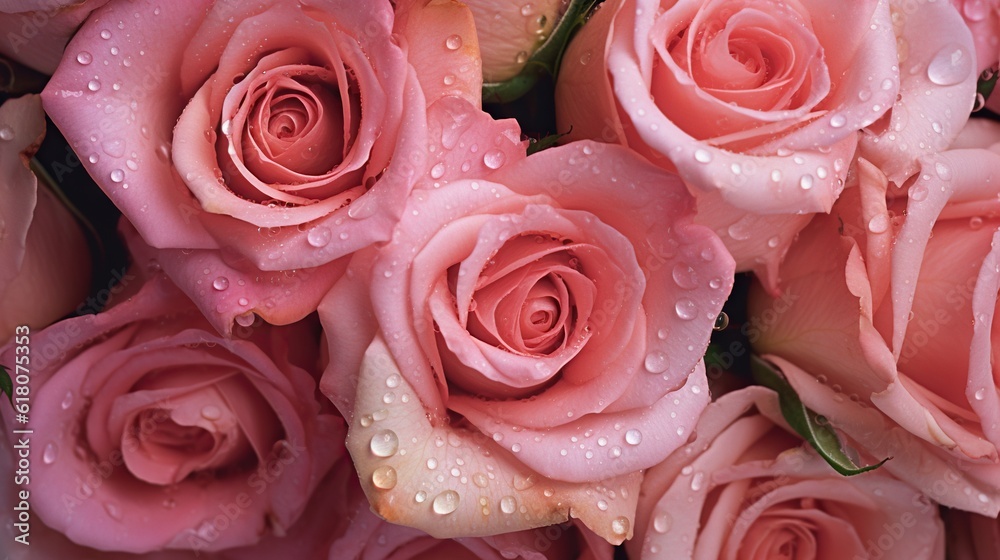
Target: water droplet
x=685, y=277
x=508, y=504
x=878, y=224
x=838, y=121
x=697, y=481
x=246, y=319
x=105, y=34
x=94, y=85
x=686, y=309
x=84, y=58
x=437, y=171
x=220, y=283
x=776, y=175
x=633, y=437
x=479, y=479
x=521, y=57
x=620, y=525
x=721, y=322
x=702, y=156
x=117, y=175
x=917, y=192
x=950, y=65
x=615, y=452
x=420, y=496
x=516, y=448
x=943, y=171
x=384, y=443
x=50, y=453
x=319, y=236
x=975, y=10
x=367, y=420
x=445, y=502
x=243, y=301
x=602, y=505
x=662, y=522
x=975, y=222
x=67, y=401
x=453, y=42
x=384, y=477
x=656, y=362
x=806, y=182
x=494, y=159
x=980, y=394
x=113, y=510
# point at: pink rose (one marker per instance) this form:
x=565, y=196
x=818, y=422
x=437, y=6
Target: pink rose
x=35, y=32
x=748, y=488
x=44, y=258
x=152, y=432
x=261, y=143
x=759, y=107
x=893, y=305
x=535, y=346
x=983, y=19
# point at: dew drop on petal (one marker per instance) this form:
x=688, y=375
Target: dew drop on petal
x=620, y=525
x=220, y=283
x=633, y=437
x=494, y=159
x=319, y=236
x=84, y=58
x=951, y=65
x=384, y=477
x=384, y=443
x=453, y=42
x=838, y=121
x=94, y=85
x=702, y=156
x=878, y=224
x=445, y=502
x=50, y=453
x=656, y=362
x=508, y=504
x=686, y=309
x=662, y=522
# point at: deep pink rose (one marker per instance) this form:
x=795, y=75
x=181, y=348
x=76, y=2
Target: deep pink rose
x=260, y=142
x=893, y=306
x=44, y=258
x=748, y=488
x=538, y=336
x=35, y=32
x=153, y=432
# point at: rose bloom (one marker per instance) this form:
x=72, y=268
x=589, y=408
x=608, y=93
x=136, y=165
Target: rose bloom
x=152, y=432
x=758, y=105
x=525, y=345
x=892, y=305
x=748, y=488
x=44, y=258
x=272, y=139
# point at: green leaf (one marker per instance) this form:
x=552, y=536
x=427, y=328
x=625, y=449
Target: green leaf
x=811, y=426
x=6, y=385
x=545, y=60
x=987, y=81
x=543, y=143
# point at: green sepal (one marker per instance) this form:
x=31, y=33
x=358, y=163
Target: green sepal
x=813, y=427
x=6, y=385
x=540, y=144
x=545, y=60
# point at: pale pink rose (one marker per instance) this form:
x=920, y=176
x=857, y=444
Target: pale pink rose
x=538, y=335
x=35, y=32
x=756, y=105
x=263, y=141
x=893, y=305
x=152, y=432
x=44, y=257
x=748, y=488
x=510, y=32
